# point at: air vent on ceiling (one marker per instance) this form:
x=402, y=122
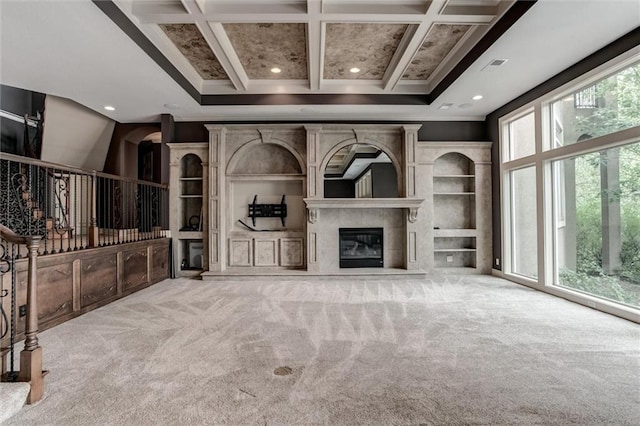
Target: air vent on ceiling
x=494, y=64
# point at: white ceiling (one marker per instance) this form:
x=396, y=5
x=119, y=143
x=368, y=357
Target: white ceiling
x=73, y=50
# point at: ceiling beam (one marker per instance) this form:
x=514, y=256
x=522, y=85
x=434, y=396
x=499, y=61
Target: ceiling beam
x=182, y=18
x=414, y=44
x=221, y=46
x=118, y=17
x=216, y=37
x=314, y=99
x=515, y=12
x=315, y=44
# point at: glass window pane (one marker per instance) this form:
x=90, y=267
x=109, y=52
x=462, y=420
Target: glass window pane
x=607, y=106
x=524, y=247
x=597, y=247
x=522, y=140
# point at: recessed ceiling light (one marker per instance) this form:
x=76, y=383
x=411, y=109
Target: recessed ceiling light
x=445, y=106
x=465, y=106
x=354, y=70
x=477, y=97
x=276, y=70
x=109, y=108
x=172, y=106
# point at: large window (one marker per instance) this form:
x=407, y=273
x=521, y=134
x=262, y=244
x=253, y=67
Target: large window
x=524, y=250
x=597, y=250
x=604, y=107
x=520, y=133
x=577, y=190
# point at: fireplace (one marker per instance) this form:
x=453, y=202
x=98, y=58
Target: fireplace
x=361, y=248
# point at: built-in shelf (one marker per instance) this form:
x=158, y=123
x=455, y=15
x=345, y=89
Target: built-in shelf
x=188, y=235
x=188, y=185
x=364, y=203
x=454, y=232
x=263, y=177
x=454, y=193
x=453, y=250
x=454, y=176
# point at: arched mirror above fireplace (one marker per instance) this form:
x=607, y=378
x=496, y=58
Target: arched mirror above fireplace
x=360, y=171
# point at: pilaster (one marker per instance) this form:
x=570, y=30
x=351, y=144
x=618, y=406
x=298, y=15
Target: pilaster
x=217, y=252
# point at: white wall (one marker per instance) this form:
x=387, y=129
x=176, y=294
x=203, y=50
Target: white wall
x=75, y=135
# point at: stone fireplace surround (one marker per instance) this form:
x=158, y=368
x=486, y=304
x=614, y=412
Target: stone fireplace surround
x=441, y=220
x=232, y=250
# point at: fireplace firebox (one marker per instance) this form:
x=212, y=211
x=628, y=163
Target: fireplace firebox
x=361, y=248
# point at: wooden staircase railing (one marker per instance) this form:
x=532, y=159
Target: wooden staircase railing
x=31, y=356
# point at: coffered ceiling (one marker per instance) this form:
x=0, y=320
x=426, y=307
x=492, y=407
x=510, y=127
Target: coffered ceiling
x=211, y=60
x=404, y=47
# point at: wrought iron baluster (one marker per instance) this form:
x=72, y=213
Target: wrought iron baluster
x=75, y=210
x=7, y=264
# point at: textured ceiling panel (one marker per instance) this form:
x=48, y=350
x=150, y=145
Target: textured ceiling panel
x=194, y=47
x=261, y=47
x=369, y=47
x=437, y=45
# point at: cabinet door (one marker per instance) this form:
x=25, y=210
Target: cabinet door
x=240, y=253
x=291, y=252
x=266, y=252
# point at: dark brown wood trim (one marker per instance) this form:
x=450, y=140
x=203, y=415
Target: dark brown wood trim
x=515, y=12
x=120, y=19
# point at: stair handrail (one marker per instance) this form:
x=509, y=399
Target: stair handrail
x=31, y=356
x=10, y=236
x=77, y=170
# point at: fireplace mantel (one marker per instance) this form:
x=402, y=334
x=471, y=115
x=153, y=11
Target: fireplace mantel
x=363, y=203
x=315, y=204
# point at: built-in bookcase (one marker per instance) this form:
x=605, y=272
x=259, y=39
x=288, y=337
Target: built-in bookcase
x=454, y=208
x=188, y=207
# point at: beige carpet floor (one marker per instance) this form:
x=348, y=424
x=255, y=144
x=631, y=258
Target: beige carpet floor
x=450, y=351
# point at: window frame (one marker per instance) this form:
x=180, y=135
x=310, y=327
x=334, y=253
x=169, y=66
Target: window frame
x=547, y=151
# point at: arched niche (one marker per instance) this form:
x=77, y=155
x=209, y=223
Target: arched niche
x=190, y=166
x=360, y=170
x=452, y=164
x=272, y=158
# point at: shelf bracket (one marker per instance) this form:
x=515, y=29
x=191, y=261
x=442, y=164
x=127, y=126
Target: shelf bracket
x=413, y=215
x=313, y=215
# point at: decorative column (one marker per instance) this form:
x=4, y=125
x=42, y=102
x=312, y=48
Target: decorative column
x=315, y=189
x=413, y=239
x=216, y=233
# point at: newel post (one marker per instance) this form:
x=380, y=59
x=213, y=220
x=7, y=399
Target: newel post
x=31, y=355
x=93, y=221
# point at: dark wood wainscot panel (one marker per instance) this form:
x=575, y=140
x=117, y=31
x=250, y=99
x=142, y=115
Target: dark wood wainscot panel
x=98, y=279
x=135, y=268
x=159, y=263
x=70, y=284
x=55, y=291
